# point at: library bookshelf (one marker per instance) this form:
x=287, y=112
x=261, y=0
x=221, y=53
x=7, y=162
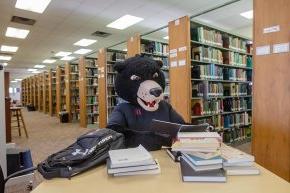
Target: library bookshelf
x=52, y=92
x=211, y=70
x=40, y=92
x=88, y=93
x=60, y=90
x=35, y=91
x=72, y=91
x=45, y=92
x=108, y=97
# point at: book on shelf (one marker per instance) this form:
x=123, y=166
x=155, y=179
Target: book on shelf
x=206, y=107
x=235, y=43
x=208, y=36
x=154, y=47
x=190, y=175
x=207, y=54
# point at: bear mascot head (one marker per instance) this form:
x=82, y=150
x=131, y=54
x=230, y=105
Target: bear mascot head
x=140, y=81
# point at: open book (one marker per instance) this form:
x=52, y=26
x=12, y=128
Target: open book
x=171, y=129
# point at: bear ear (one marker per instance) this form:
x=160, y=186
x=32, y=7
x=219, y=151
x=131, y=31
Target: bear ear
x=159, y=63
x=119, y=66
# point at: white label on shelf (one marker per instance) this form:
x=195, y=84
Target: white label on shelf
x=279, y=48
x=271, y=29
x=131, y=39
x=172, y=51
x=99, y=76
x=181, y=63
x=173, y=55
x=263, y=50
x=173, y=64
x=182, y=49
x=176, y=22
x=102, y=75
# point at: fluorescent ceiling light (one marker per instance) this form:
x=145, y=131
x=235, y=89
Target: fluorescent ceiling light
x=13, y=81
x=37, y=6
x=18, y=79
x=82, y=51
x=85, y=42
x=125, y=49
x=124, y=22
x=48, y=61
x=62, y=54
x=39, y=66
x=5, y=64
x=2, y=57
x=67, y=58
x=247, y=14
x=31, y=69
x=166, y=37
x=16, y=32
x=5, y=48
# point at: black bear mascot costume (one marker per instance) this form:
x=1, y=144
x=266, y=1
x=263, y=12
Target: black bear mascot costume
x=140, y=82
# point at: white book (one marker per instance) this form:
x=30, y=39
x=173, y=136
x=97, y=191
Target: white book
x=202, y=167
x=188, y=149
x=130, y=157
x=226, y=164
x=232, y=155
x=198, y=135
x=143, y=172
x=131, y=168
x=241, y=170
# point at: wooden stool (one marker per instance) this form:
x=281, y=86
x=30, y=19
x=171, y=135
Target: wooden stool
x=17, y=113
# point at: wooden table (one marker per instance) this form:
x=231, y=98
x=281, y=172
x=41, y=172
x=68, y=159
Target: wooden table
x=169, y=181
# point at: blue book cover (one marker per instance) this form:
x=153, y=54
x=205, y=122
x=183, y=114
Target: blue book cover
x=200, y=161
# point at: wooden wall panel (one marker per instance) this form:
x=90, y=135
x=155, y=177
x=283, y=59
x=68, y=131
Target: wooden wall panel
x=180, y=77
x=134, y=45
x=271, y=104
x=83, y=91
x=102, y=87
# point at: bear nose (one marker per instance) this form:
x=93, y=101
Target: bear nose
x=155, y=91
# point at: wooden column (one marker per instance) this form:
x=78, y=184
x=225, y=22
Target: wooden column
x=180, y=66
x=50, y=108
x=271, y=104
x=134, y=45
x=35, y=91
x=82, y=92
x=44, y=79
x=67, y=90
x=102, y=88
x=39, y=90
x=7, y=106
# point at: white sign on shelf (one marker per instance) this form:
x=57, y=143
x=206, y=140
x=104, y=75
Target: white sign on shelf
x=182, y=49
x=263, y=50
x=173, y=64
x=172, y=51
x=173, y=55
x=181, y=63
x=271, y=29
x=176, y=22
x=280, y=48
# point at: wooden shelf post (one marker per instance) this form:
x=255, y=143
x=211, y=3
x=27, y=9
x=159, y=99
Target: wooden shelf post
x=102, y=89
x=180, y=77
x=134, y=45
x=271, y=106
x=83, y=91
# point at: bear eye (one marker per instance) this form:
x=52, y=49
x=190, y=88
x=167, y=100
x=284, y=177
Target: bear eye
x=155, y=75
x=135, y=77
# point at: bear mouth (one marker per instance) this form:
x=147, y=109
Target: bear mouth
x=149, y=104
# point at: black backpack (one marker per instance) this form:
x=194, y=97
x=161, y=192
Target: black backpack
x=90, y=149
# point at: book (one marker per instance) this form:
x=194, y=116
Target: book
x=171, y=129
x=197, y=143
x=199, y=135
x=174, y=155
x=202, y=167
x=226, y=164
x=190, y=149
x=141, y=172
x=241, y=170
x=232, y=155
x=111, y=170
x=205, y=155
x=189, y=175
x=201, y=162
x=130, y=157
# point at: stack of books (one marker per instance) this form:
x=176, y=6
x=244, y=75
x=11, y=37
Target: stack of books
x=200, y=159
x=131, y=161
x=236, y=162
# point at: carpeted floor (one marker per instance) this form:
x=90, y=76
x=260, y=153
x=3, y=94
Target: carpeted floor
x=47, y=135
